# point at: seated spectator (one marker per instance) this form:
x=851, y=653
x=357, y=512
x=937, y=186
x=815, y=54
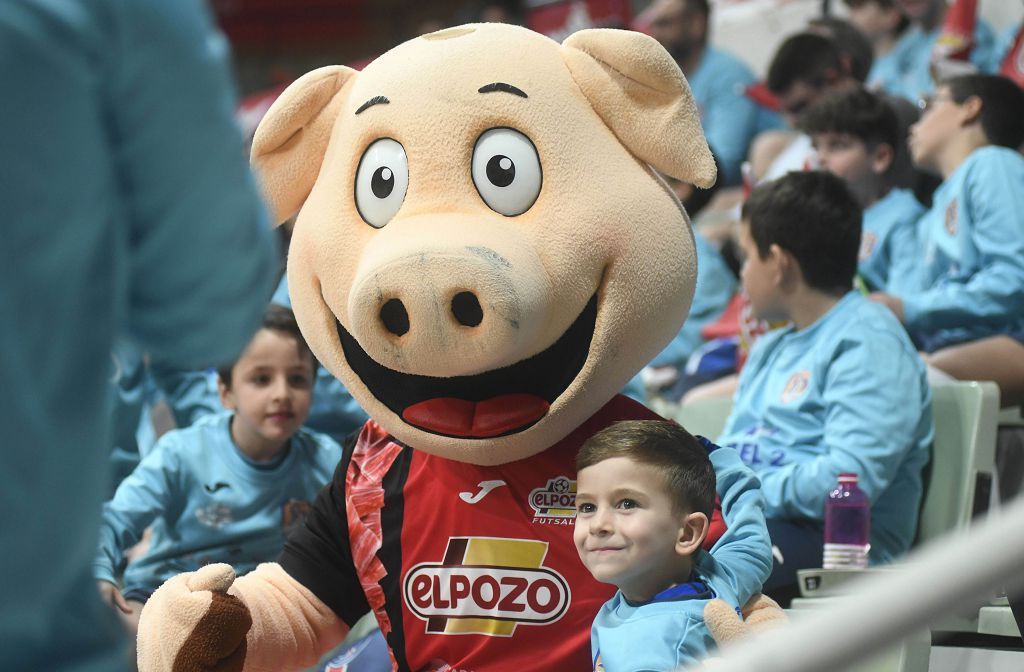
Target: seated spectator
x=854, y=47
x=840, y=390
x=228, y=488
x=805, y=68
x=966, y=308
x=907, y=72
x=882, y=22
x=717, y=79
x=856, y=136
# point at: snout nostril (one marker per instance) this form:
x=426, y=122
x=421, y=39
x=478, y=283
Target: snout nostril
x=394, y=317
x=466, y=309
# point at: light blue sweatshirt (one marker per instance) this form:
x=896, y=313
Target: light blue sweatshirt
x=972, y=249
x=888, y=246
x=729, y=118
x=128, y=211
x=716, y=285
x=906, y=70
x=669, y=631
x=846, y=394
x=209, y=503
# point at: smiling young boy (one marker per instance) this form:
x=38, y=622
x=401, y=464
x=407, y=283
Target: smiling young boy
x=228, y=488
x=645, y=491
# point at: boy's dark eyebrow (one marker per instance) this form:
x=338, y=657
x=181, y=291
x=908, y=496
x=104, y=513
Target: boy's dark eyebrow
x=376, y=100
x=504, y=88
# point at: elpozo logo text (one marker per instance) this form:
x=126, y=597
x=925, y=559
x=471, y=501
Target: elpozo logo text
x=488, y=586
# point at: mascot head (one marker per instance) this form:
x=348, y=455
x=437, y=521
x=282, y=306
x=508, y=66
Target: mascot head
x=483, y=254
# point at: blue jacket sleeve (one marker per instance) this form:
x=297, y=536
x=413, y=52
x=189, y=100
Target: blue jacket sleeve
x=874, y=398
x=202, y=256
x=996, y=203
x=715, y=286
x=730, y=120
x=744, y=553
x=148, y=492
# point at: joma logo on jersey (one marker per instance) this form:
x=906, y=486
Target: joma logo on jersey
x=557, y=499
x=486, y=586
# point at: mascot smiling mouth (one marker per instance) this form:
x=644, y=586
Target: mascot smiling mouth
x=495, y=403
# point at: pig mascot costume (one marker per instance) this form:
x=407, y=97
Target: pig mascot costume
x=484, y=256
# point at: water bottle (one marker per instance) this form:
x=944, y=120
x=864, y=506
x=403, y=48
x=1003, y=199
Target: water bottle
x=847, y=526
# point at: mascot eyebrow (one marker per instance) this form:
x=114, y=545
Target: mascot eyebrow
x=376, y=100
x=503, y=87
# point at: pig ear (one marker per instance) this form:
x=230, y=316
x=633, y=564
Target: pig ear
x=292, y=138
x=640, y=93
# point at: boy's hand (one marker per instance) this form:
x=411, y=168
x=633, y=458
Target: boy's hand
x=111, y=594
x=893, y=303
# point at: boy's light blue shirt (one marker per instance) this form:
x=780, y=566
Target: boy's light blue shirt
x=662, y=635
x=334, y=411
x=972, y=250
x=906, y=70
x=729, y=118
x=888, y=246
x=208, y=503
x=128, y=211
x=716, y=285
x=846, y=394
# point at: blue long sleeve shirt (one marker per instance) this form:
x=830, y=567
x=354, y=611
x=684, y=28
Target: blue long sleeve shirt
x=971, y=283
x=716, y=285
x=888, y=246
x=906, y=70
x=669, y=630
x=208, y=502
x=729, y=118
x=846, y=394
x=128, y=211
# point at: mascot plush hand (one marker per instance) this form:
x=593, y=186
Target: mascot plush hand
x=484, y=255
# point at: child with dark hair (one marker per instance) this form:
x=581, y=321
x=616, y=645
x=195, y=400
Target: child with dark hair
x=857, y=138
x=967, y=307
x=881, y=22
x=228, y=488
x=839, y=390
x=645, y=492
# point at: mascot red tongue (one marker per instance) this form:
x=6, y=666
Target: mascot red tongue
x=484, y=255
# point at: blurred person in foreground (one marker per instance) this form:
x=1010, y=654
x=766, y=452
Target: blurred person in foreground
x=130, y=214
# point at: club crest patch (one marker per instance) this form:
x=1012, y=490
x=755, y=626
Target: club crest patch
x=952, y=212
x=796, y=386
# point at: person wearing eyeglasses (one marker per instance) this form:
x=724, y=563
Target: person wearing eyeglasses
x=966, y=308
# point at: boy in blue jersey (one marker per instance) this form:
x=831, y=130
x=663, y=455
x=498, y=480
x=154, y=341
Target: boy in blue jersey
x=645, y=492
x=228, y=488
x=839, y=390
x=966, y=311
x=857, y=136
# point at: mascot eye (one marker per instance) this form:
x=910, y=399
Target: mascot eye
x=506, y=171
x=381, y=182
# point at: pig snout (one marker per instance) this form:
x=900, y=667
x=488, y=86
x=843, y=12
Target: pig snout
x=448, y=312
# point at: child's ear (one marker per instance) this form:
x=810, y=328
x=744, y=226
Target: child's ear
x=784, y=265
x=692, y=530
x=227, y=400
x=882, y=157
x=970, y=110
